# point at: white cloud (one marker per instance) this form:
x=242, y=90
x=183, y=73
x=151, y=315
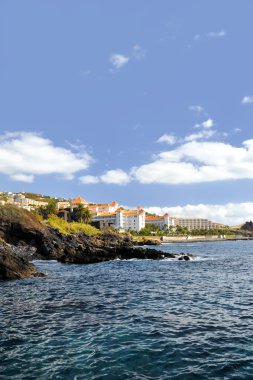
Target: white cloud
x=193, y=161
x=138, y=53
x=209, y=123
x=22, y=177
x=168, y=139
x=237, y=130
x=118, y=61
x=89, y=179
x=229, y=214
x=247, y=100
x=202, y=135
x=24, y=155
x=197, y=162
x=197, y=109
x=116, y=177
x=218, y=34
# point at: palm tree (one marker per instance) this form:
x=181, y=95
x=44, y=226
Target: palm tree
x=82, y=214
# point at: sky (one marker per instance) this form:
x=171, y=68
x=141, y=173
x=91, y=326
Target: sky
x=145, y=102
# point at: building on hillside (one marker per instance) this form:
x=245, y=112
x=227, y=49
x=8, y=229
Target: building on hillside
x=103, y=207
x=195, y=223
x=35, y=203
x=162, y=222
x=133, y=220
x=126, y=220
x=78, y=201
x=21, y=201
x=104, y=220
x=61, y=205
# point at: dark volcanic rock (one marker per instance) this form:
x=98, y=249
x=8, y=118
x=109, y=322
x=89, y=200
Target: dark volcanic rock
x=148, y=242
x=21, y=228
x=107, y=254
x=184, y=257
x=13, y=266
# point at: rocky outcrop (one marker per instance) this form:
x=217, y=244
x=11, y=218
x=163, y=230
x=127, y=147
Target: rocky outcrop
x=83, y=249
x=22, y=229
x=148, y=242
x=13, y=265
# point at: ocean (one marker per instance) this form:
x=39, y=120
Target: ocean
x=137, y=319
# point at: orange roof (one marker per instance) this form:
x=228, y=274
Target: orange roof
x=133, y=212
x=78, y=200
x=106, y=214
x=113, y=204
x=153, y=217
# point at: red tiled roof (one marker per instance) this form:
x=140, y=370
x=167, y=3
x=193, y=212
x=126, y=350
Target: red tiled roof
x=78, y=200
x=154, y=217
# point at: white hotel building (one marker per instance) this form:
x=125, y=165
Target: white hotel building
x=195, y=223
x=162, y=222
x=133, y=220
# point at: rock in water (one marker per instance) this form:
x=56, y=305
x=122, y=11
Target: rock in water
x=13, y=267
x=184, y=257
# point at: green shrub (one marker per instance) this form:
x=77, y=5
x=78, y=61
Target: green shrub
x=71, y=228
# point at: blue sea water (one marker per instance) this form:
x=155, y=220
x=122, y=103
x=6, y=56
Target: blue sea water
x=138, y=319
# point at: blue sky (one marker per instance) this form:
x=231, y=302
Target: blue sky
x=145, y=102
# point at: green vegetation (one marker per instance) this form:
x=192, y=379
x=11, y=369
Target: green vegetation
x=151, y=229
x=14, y=214
x=38, y=197
x=81, y=214
x=154, y=230
x=11, y=213
x=247, y=226
x=71, y=228
x=49, y=209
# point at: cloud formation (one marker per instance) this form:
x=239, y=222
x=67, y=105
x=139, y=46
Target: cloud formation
x=218, y=34
x=168, y=139
x=247, y=100
x=113, y=177
x=232, y=214
x=197, y=162
x=202, y=135
x=24, y=155
x=192, y=161
x=138, y=52
x=213, y=34
x=209, y=123
x=118, y=61
x=198, y=109
x=89, y=179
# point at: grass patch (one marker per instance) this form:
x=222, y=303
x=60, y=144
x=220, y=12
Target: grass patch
x=71, y=228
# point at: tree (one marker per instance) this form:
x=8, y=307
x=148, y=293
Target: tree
x=247, y=226
x=82, y=214
x=182, y=230
x=49, y=209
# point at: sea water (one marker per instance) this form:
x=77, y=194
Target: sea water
x=138, y=319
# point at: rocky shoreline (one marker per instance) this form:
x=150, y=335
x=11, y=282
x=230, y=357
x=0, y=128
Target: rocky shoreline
x=13, y=265
x=28, y=239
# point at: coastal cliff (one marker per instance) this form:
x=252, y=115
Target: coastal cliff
x=22, y=229
x=13, y=265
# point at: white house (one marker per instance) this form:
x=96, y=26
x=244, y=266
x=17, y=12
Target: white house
x=122, y=219
x=162, y=222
